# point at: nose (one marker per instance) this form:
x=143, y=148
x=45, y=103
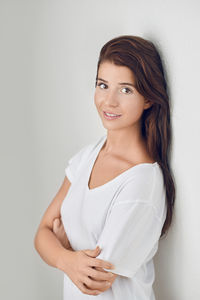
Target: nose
x=111, y=99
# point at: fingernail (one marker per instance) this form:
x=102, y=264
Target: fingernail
x=108, y=267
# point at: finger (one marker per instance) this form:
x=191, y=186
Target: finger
x=101, y=285
x=56, y=222
x=96, y=262
x=92, y=253
x=101, y=269
x=87, y=291
x=100, y=275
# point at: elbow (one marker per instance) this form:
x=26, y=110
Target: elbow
x=36, y=239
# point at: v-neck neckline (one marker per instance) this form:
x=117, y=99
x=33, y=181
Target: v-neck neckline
x=99, y=148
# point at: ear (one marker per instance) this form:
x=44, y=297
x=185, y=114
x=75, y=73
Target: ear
x=147, y=103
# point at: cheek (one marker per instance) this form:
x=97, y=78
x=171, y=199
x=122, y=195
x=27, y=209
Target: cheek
x=97, y=99
x=134, y=108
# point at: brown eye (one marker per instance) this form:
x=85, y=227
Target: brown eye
x=100, y=84
x=129, y=91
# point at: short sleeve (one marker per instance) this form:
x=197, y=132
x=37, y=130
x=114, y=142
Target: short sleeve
x=131, y=231
x=75, y=162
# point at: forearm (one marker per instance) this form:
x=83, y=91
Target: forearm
x=65, y=242
x=70, y=248
x=49, y=247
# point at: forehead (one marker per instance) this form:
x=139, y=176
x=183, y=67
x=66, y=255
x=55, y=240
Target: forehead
x=108, y=70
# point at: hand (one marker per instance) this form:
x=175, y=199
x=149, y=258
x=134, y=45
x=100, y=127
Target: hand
x=93, y=254
x=82, y=268
x=60, y=233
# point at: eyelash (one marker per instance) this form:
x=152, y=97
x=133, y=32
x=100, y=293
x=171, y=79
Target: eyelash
x=124, y=88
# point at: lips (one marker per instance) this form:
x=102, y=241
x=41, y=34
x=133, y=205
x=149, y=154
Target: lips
x=109, y=112
x=107, y=117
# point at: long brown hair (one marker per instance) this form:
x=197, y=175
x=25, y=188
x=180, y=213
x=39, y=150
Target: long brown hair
x=143, y=59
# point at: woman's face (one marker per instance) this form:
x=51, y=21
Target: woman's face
x=115, y=93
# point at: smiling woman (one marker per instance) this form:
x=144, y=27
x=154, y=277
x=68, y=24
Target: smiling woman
x=115, y=99
x=118, y=192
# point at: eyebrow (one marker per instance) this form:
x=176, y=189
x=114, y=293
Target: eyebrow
x=121, y=83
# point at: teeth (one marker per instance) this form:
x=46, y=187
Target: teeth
x=111, y=115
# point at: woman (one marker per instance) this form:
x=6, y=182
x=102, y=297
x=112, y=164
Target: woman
x=118, y=192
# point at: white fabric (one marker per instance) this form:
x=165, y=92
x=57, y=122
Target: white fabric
x=124, y=217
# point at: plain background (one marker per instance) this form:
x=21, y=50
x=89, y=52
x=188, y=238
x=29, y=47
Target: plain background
x=49, y=52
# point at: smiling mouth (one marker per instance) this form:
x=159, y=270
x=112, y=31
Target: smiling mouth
x=110, y=116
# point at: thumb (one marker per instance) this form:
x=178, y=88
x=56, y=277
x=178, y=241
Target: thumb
x=92, y=253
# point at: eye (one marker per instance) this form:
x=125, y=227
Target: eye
x=129, y=91
x=101, y=83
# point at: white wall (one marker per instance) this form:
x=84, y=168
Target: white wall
x=49, y=52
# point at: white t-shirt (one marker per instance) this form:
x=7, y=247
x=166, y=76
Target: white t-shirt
x=124, y=217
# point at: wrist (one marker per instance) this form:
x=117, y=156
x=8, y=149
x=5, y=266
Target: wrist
x=63, y=259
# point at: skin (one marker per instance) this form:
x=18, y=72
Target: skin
x=124, y=148
x=125, y=145
x=82, y=267
x=59, y=231
x=124, y=138
x=122, y=134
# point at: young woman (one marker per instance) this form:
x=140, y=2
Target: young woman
x=118, y=191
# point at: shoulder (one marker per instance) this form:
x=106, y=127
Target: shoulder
x=75, y=162
x=145, y=185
